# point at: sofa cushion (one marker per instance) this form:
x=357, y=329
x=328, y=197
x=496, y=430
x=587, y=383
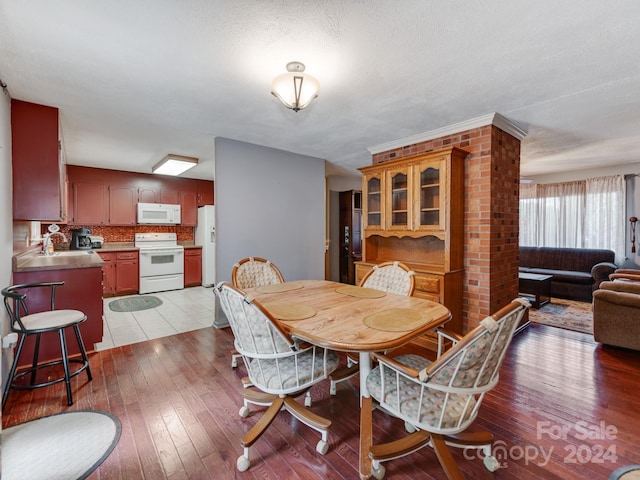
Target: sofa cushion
x=564, y=275
x=627, y=286
x=573, y=259
x=576, y=271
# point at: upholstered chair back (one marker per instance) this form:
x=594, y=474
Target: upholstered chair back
x=275, y=362
x=390, y=277
x=445, y=395
x=254, y=272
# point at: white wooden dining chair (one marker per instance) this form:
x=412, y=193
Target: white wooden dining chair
x=439, y=400
x=277, y=364
x=389, y=277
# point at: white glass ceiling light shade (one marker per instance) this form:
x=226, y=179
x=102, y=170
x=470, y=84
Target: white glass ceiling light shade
x=174, y=165
x=295, y=88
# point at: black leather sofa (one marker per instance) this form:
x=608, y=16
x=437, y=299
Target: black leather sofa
x=576, y=272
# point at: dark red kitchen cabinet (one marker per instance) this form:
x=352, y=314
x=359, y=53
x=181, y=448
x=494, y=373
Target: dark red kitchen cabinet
x=171, y=197
x=37, y=163
x=148, y=195
x=127, y=273
x=82, y=290
x=108, y=273
x=205, y=193
x=122, y=205
x=90, y=204
x=188, y=209
x=192, y=267
x=110, y=197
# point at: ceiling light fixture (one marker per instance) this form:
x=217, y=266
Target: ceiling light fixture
x=174, y=165
x=295, y=88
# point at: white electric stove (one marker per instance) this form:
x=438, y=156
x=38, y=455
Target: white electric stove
x=161, y=262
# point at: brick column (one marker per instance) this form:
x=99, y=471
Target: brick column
x=492, y=193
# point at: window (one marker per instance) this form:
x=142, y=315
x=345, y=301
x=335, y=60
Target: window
x=583, y=214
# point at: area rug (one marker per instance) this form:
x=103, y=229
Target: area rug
x=134, y=304
x=567, y=314
x=630, y=472
x=65, y=446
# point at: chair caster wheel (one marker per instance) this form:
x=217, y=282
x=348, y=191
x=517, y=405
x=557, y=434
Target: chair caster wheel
x=244, y=411
x=409, y=427
x=491, y=463
x=242, y=463
x=378, y=473
x=322, y=447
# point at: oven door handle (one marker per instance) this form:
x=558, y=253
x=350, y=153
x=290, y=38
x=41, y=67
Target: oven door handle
x=161, y=252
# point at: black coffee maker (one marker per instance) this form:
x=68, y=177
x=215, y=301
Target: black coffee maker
x=80, y=239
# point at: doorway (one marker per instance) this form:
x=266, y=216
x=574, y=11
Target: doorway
x=350, y=231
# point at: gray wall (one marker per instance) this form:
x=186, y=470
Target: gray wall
x=271, y=204
x=6, y=219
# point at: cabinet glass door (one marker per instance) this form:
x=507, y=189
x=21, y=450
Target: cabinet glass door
x=399, y=200
x=430, y=213
x=374, y=202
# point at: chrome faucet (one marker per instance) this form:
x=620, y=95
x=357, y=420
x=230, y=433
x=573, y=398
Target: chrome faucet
x=47, y=241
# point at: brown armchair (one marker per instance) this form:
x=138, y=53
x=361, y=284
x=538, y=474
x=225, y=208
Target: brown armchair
x=626, y=274
x=616, y=314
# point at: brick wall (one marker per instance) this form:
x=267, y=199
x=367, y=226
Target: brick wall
x=492, y=190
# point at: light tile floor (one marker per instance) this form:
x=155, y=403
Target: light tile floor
x=181, y=311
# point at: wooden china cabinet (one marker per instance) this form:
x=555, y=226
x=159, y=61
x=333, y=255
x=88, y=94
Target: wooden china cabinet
x=413, y=210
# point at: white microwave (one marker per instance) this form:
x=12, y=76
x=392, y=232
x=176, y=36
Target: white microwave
x=158, y=214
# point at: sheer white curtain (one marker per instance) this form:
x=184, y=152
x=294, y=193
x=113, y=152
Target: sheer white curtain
x=583, y=214
x=561, y=208
x=605, y=224
x=529, y=214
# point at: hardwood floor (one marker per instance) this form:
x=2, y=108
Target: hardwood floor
x=568, y=404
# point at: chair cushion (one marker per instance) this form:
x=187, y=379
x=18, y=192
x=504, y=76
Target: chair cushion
x=279, y=374
x=253, y=331
x=50, y=320
x=428, y=414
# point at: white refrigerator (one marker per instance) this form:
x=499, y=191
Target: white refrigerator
x=205, y=235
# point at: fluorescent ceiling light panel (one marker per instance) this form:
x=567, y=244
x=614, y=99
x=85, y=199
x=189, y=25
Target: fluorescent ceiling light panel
x=174, y=165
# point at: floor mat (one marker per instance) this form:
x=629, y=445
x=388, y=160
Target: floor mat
x=65, y=446
x=134, y=304
x=567, y=314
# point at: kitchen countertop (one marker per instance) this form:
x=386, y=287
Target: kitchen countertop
x=126, y=246
x=116, y=247
x=31, y=260
x=65, y=259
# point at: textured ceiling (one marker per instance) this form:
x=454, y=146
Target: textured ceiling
x=135, y=80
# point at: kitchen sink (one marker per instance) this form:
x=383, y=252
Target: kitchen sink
x=70, y=253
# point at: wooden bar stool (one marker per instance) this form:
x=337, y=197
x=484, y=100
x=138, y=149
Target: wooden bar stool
x=26, y=324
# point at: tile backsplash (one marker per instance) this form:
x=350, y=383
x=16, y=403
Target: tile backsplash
x=124, y=233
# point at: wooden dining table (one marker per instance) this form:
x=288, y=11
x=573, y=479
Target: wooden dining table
x=351, y=319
